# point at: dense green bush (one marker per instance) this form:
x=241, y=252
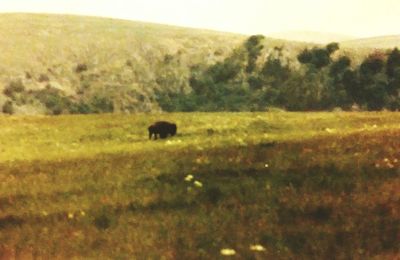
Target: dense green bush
x=54, y=100
x=101, y=104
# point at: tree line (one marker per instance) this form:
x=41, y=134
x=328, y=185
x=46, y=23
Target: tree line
x=319, y=78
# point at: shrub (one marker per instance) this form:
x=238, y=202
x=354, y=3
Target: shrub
x=80, y=108
x=102, y=104
x=129, y=63
x=43, y=78
x=15, y=86
x=81, y=67
x=8, y=108
x=213, y=194
x=28, y=75
x=53, y=99
x=104, y=218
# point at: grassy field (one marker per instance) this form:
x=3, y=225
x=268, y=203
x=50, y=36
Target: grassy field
x=267, y=185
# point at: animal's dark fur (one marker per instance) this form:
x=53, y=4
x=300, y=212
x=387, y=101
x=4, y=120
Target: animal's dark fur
x=163, y=129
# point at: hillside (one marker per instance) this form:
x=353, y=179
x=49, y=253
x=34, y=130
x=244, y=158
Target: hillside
x=45, y=50
x=382, y=42
x=61, y=64
x=312, y=37
x=118, y=59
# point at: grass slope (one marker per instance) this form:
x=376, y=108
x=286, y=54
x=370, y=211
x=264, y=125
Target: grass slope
x=121, y=57
x=303, y=185
x=118, y=53
x=125, y=61
x=312, y=37
x=53, y=64
x=382, y=42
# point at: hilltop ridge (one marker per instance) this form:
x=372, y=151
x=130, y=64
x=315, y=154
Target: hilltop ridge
x=379, y=42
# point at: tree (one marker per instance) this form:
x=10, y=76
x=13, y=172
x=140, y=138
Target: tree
x=321, y=58
x=375, y=93
x=339, y=66
x=393, y=62
x=8, y=107
x=305, y=56
x=393, y=72
x=274, y=67
x=332, y=47
x=254, y=47
x=371, y=66
x=352, y=86
x=318, y=57
x=335, y=94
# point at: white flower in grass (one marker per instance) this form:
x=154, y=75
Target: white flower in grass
x=189, y=177
x=228, y=251
x=257, y=247
x=198, y=184
x=266, y=165
x=70, y=215
x=329, y=130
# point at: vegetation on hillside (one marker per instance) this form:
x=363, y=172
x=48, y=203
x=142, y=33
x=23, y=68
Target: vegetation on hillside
x=74, y=64
x=81, y=65
x=259, y=185
x=320, y=79
x=78, y=64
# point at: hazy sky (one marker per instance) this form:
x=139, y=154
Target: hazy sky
x=361, y=18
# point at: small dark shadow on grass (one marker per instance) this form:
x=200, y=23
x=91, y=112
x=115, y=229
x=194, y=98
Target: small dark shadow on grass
x=10, y=221
x=292, y=215
x=320, y=214
x=161, y=206
x=267, y=144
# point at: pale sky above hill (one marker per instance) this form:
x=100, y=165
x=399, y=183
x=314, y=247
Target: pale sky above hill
x=359, y=18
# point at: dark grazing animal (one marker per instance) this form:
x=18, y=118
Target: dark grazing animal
x=163, y=129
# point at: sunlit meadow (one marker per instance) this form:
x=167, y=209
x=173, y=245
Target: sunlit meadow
x=245, y=185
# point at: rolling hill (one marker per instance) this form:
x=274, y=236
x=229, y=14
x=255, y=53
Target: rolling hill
x=40, y=51
x=48, y=62
x=311, y=37
x=381, y=42
x=90, y=57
